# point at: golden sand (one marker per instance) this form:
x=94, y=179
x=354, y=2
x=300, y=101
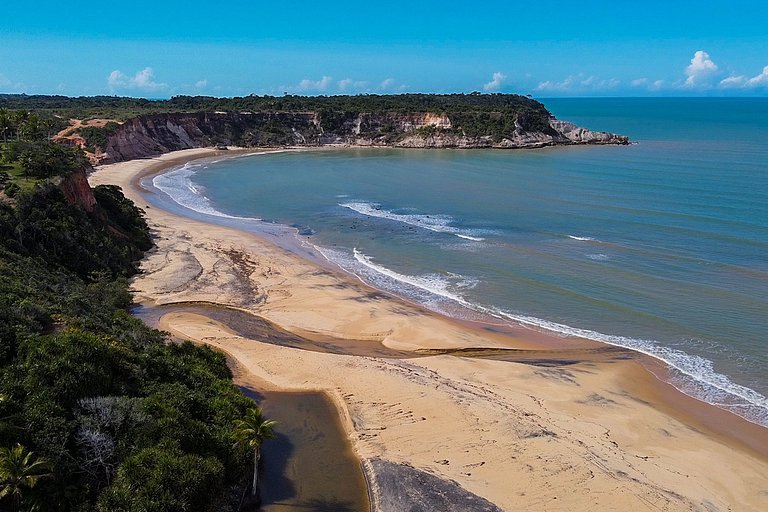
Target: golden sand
x=598, y=433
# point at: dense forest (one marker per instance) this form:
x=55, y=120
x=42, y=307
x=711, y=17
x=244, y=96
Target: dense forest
x=474, y=115
x=122, y=108
x=98, y=412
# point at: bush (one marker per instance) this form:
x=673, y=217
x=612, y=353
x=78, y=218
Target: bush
x=11, y=189
x=96, y=137
x=126, y=421
x=44, y=159
x=162, y=479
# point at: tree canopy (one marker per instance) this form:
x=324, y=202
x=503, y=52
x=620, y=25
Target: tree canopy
x=98, y=412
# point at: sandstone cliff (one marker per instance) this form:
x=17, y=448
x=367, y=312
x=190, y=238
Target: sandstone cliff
x=76, y=189
x=155, y=134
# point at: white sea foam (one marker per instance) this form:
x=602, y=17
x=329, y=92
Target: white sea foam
x=436, y=223
x=435, y=284
x=696, y=375
x=598, y=257
x=691, y=374
x=583, y=238
x=178, y=185
x=467, y=237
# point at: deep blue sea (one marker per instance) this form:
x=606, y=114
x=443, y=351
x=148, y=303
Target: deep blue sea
x=660, y=246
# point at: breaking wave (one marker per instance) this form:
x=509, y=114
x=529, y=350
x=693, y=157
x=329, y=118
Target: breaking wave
x=178, y=185
x=436, y=223
x=691, y=374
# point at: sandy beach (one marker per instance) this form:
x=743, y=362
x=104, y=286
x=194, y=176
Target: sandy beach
x=530, y=422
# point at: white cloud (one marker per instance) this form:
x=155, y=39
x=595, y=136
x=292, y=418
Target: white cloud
x=701, y=70
x=386, y=84
x=391, y=85
x=117, y=79
x=201, y=84
x=143, y=80
x=496, y=83
x=9, y=86
x=645, y=83
x=319, y=85
x=579, y=84
x=308, y=86
x=550, y=86
x=349, y=85
x=760, y=80
x=733, y=82
x=742, y=82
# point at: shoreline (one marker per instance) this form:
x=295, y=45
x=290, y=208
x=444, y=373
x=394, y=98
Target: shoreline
x=522, y=330
x=298, y=286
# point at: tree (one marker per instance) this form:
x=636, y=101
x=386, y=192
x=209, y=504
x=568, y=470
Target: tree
x=5, y=123
x=19, y=469
x=251, y=432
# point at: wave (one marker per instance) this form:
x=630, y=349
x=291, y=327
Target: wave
x=436, y=223
x=435, y=284
x=691, y=374
x=583, y=238
x=695, y=375
x=178, y=185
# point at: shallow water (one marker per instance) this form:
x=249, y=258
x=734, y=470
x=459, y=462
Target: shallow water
x=659, y=246
x=309, y=465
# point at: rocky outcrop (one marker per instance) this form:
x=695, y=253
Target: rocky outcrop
x=156, y=134
x=76, y=189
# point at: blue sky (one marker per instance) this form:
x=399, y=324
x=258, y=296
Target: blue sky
x=548, y=49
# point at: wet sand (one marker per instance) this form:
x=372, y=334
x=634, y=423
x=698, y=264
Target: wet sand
x=520, y=418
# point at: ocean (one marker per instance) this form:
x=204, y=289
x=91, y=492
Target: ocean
x=660, y=246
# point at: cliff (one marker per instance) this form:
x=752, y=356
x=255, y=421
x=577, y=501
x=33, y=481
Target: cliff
x=160, y=133
x=76, y=189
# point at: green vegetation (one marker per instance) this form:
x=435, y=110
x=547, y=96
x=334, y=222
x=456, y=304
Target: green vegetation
x=474, y=115
x=98, y=412
x=97, y=136
x=251, y=432
x=114, y=107
x=20, y=470
x=27, y=155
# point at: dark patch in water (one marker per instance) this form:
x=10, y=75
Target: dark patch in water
x=310, y=464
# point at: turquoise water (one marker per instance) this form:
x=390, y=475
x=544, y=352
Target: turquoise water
x=659, y=246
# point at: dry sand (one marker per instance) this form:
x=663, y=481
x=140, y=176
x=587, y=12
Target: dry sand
x=573, y=428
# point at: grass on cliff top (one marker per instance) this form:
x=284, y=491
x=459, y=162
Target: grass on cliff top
x=13, y=174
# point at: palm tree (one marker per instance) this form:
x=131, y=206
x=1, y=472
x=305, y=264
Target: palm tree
x=5, y=123
x=251, y=432
x=18, y=118
x=19, y=469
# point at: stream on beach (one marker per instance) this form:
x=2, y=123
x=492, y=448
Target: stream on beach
x=310, y=464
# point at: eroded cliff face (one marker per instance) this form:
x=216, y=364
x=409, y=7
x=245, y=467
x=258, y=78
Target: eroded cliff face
x=156, y=134
x=77, y=191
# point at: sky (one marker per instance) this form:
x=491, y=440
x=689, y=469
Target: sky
x=592, y=48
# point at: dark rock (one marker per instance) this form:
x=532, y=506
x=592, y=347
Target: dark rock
x=402, y=488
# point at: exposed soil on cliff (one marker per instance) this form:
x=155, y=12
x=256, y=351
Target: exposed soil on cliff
x=71, y=133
